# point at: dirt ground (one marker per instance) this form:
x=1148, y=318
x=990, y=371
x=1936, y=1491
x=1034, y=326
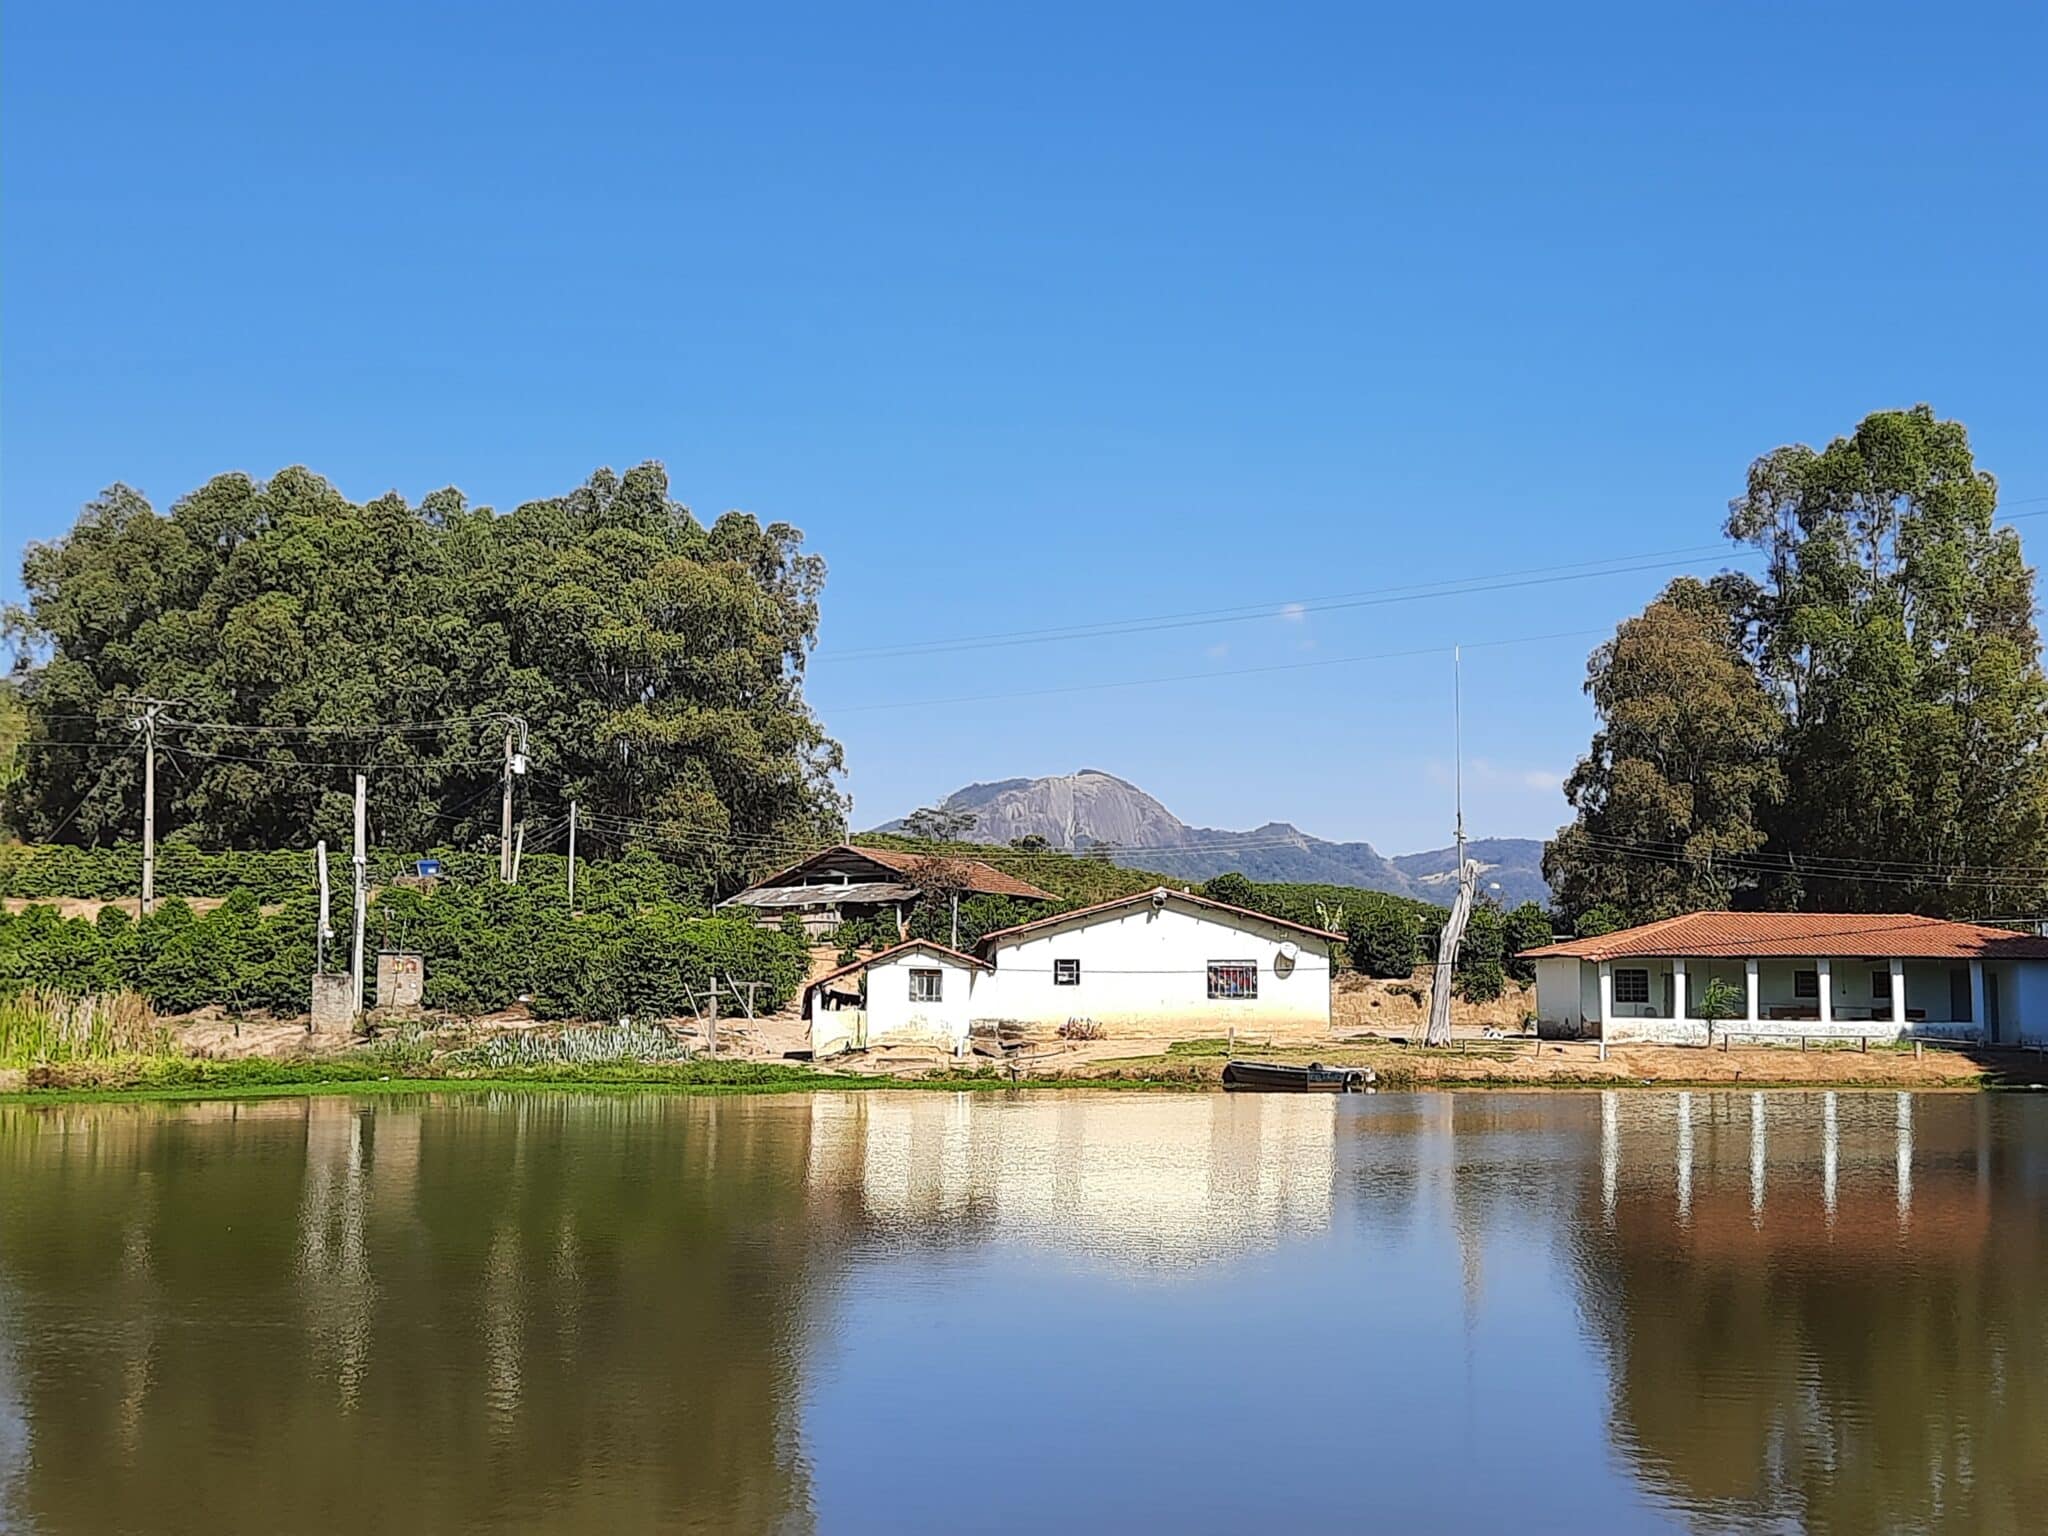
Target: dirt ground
x=1368, y=1017
x=1374, y=1024
x=76, y=906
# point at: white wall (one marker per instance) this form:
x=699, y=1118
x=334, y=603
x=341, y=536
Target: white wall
x=1568, y=999
x=1564, y=1001
x=893, y=1019
x=1143, y=965
x=2023, y=1000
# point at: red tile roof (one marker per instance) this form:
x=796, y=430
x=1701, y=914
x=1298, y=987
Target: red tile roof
x=1803, y=935
x=1126, y=901
x=982, y=878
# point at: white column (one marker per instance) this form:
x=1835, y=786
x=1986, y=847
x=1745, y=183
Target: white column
x=1606, y=995
x=1749, y=969
x=1980, y=1011
x=1825, y=969
x=1677, y=988
x=1898, y=992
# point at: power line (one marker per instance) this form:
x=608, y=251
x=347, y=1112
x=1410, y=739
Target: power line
x=1210, y=676
x=1790, y=865
x=1371, y=597
x=415, y=765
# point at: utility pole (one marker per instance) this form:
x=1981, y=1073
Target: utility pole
x=515, y=765
x=362, y=863
x=147, y=722
x=572, y=858
x=1458, y=747
x=323, y=933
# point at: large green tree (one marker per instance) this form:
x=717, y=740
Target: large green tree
x=1683, y=767
x=297, y=635
x=1896, y=627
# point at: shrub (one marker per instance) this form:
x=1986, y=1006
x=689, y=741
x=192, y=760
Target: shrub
x=1082, y=1029
x=1385, y=940
x=484, y=946
x=605, y=1045
x=39, y=1025
x=1596, y=920
x=1528, y=927
x=1483, y=982
x=1720, y=999
x=1233, y=890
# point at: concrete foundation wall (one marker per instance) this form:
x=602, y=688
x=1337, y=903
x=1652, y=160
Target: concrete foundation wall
x=334, y=997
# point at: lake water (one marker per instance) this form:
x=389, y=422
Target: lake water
x=1076, y=1311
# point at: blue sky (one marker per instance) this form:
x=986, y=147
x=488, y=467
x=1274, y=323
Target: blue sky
x=1047, y=316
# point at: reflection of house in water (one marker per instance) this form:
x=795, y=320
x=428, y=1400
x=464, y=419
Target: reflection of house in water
x=1152, y=1180
x=1821, y=1308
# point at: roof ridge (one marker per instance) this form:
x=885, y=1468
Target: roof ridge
x=864, y=961
x=1146, y=895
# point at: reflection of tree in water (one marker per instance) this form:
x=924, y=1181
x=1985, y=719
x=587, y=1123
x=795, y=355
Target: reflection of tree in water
x=583, y=1310
x=1846, y=1332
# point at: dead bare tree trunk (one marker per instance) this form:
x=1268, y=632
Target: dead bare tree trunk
x=1439, y=1032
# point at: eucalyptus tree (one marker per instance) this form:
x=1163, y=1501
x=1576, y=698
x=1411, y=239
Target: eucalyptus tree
x=1672, y=795
x=657, y=662
x=1895, y=627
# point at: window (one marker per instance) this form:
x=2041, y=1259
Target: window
x=1631, y=986
x=924, y=985
x=1880, y=986
x=1066, y=973
x=1806, y=983
x=1233, y=978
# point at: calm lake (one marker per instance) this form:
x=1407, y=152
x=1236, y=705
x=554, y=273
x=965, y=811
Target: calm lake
x=1075, y=1311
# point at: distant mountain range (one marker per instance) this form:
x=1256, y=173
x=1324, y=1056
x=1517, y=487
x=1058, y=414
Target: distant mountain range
x=1078, y=811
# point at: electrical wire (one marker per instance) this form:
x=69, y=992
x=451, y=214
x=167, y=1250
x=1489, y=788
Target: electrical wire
x=1241, y=613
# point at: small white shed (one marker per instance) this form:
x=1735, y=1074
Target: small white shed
x=919, y=993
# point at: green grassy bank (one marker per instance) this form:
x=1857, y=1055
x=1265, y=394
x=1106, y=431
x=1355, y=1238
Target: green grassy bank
x=186, y=1077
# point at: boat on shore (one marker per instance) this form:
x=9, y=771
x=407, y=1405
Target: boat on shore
x=1274, y=1077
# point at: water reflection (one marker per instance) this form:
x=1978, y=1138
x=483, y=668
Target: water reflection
x=331, y=1314
x=1854, y=1344
x=1150, y=1181
x=1750, y=1311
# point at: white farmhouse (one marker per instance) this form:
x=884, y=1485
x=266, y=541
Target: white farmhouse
x=1807, y=973
x=1157, y=962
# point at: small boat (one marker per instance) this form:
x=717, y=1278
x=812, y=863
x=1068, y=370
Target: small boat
x=1271, y=1077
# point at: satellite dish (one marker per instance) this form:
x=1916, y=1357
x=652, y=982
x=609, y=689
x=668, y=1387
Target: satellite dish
x=1288, y=950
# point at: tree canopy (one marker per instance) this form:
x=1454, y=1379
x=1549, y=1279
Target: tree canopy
x=296, y=635
x=1896, y=628
x=1862, y=729
x=1681, y=771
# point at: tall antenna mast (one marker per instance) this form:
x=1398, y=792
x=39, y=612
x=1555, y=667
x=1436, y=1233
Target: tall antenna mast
x=1458, y=739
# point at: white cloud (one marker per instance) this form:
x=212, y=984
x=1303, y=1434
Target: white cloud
x=1294, y=613
x=1481, y=770
x=1217, y=651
